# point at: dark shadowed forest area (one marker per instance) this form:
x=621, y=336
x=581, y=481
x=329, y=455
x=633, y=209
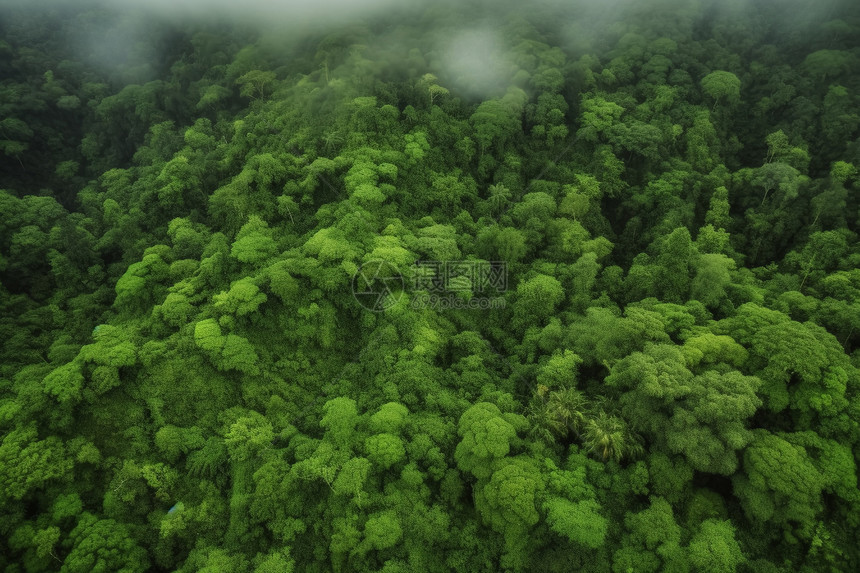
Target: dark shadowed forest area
x=407, y=287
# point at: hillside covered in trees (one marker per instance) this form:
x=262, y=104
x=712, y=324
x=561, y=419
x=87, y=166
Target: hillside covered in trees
x=430, y=287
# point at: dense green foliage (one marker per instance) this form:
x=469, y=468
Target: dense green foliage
x=187, y=382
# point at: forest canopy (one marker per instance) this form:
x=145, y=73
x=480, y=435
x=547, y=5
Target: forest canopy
x=430, y=286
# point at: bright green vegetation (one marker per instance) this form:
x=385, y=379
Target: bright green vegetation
x=187, y=382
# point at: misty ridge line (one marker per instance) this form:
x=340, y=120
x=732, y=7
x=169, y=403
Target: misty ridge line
x=324, y=13
x=471, y=38
x=468, y=47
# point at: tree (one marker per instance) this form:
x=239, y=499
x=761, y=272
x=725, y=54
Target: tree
x=230, y=352
x=172, y=441
x=714, y=549
x=382, y=531
x=385, y=450
x=560, y=370
x=802, y=366
x=508, y=244
x=779, y=482
x=779, y=176
x=718, y=211
x=65, y=382
x=256, y=84
x=176, y=309
x=536, y=300
x=429, y=82
x=244, y=297
x=670, y=477
x=102, y=545
x=829, y=63
x=340, y=419
x=674, y=265
x=140, y=283
x=579, y=522
x=712, y=423
x=112, y=350
x=608, y=438
x=652, y=541
x=486, y=436
x=497, y=120
x=780, y=150
x=840, y=119
x=28, y=463
x=557, y=413
x=389, y=418
x=254, y=243
x=703, y=143
x=351, y=479
x=712, y=279
x=598, y=115
x=722, y=86
x=703, y=417
x=507, y=501
x=247, y=436
x=499, y=197
x=277, y=562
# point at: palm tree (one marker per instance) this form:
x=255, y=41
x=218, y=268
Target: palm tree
x=569, y=406
x=542, y=425
x=555, y=414
x=499, y=197
x=609, y=437
x=331, y=139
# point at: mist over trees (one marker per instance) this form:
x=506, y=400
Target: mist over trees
x=404, y=286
